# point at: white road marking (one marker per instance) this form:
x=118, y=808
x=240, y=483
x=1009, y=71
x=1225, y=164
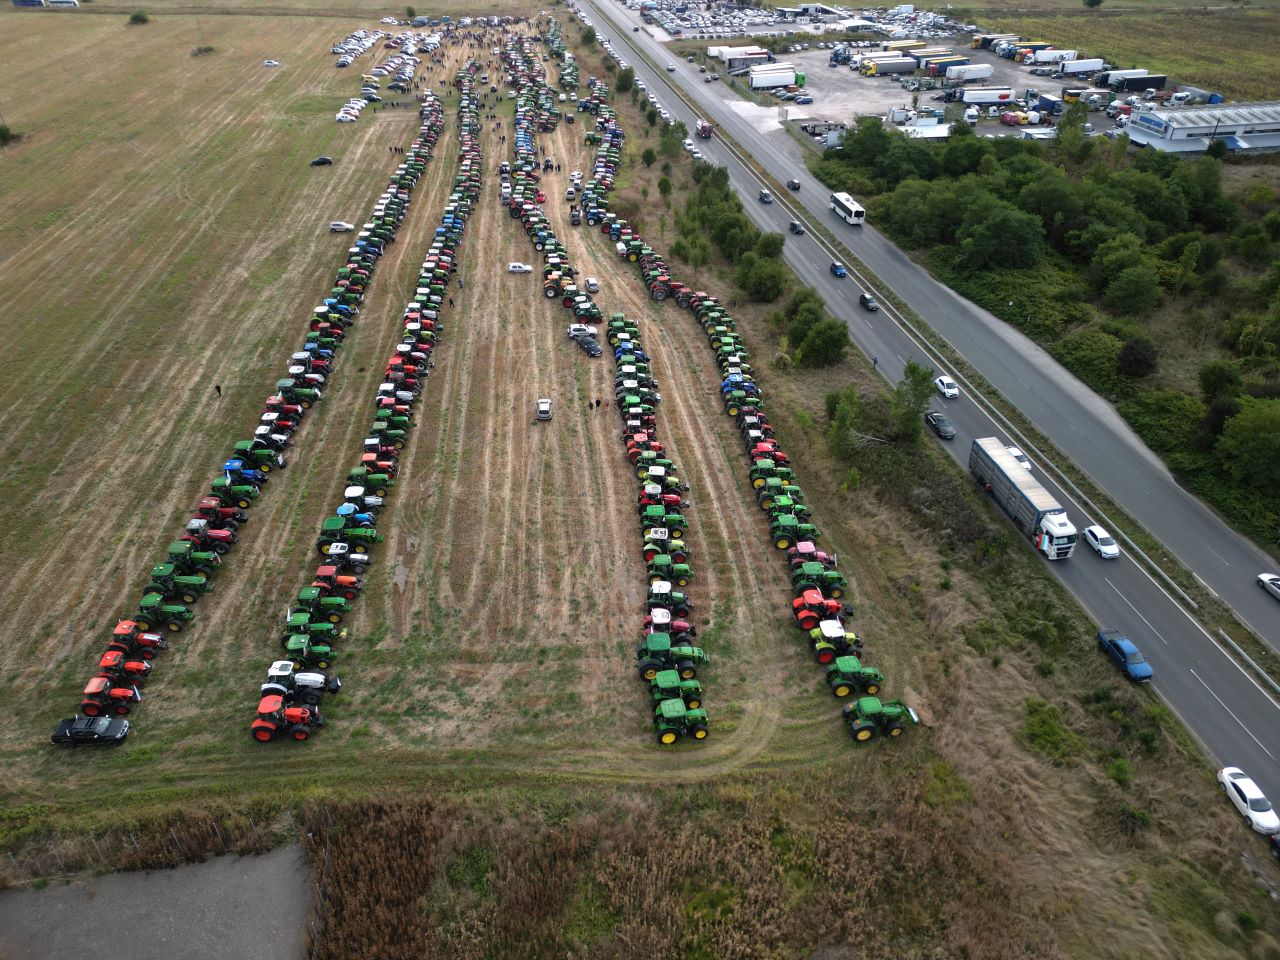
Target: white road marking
x=1135, y=610
x=1233, y=716
x=1218, y=555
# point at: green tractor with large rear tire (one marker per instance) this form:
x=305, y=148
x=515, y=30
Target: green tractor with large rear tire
x=869, y=717
x=847, y=675
x=658, y=653
x=674, y=720
x=667, y=685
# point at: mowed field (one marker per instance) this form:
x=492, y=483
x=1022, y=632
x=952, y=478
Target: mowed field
x=163, y=233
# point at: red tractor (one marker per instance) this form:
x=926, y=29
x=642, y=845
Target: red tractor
x=199, y=533
x=102, y=696
x=276, y=404
x=811, y=608
x=768, y=450
x=132, y=641
x=651, y=495
x=660, y=620
x=277, y=720
x=115, y=666
x=333, y=583
x=219, y=517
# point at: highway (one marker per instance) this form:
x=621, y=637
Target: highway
x=1233, y=717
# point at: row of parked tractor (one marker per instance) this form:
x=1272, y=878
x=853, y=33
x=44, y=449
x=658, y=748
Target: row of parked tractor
x=190, y=563
x=290, y=699
x=818, y=608
x=667, y=657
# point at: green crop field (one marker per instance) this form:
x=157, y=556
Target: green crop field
x=161, y=231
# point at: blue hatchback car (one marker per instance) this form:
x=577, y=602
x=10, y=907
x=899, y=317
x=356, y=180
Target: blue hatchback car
x=1126, y=656
x=838, y=269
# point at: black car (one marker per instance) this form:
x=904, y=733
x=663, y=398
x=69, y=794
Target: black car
x=940, y=425
x=793, y=184
x=322, y=162
x=796, y=227
x=589, y=345
x=868, y=301
x=104, y=730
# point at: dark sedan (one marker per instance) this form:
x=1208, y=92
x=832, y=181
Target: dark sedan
x=940, y=425
x=322, y=162
x=107, y=731
x=589, y=345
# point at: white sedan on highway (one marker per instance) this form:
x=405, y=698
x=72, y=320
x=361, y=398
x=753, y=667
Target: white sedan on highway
x=1103, y=544
x=1249, y=800
x=1270, y=583
x=947, y=387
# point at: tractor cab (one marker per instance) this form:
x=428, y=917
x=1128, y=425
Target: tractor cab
x=366, y=502
x=829, y=640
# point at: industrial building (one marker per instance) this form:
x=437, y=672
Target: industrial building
x=1244, y=127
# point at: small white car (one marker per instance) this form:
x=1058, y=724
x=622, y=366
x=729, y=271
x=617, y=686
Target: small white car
x=1270, y=583
x=581, y=330
x=271, y=63
x=519, y=268
x=1104, y=545
x=544, y=409
x=688, y=144
x=1021, y=457
x=341, y=226
x=592, y=285
x=947, y=387
x=1249, y=800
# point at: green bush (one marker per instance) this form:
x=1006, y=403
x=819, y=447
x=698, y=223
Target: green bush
x=825, y=344
x=1045, y=731
x=139, y=17
x=1092, y=356
x=1138, y=358
x=1166, y=420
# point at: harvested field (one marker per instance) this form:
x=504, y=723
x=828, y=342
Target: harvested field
x=492, y=728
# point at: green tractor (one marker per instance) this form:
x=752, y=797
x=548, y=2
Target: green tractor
x=258, y=455
x=869, y=717
x=313, y=601
x=774, y=487
x=787, y=530
x=784, y=506
x=187, y=560
x=343, y=530
x=304, y=623
x=814, y=575
x=764, y=470
x=657, y=653
x=379, y=484
x=736, y=401
x=308, y=653
x=304, y=397
x=661, y=596
x=674, y=720
x=153, y=612
x=663, y=567
x=847, y=674
x=166, y=581
x=231, y=494
x=667, y=685
x=389, y=435
x=651, y=458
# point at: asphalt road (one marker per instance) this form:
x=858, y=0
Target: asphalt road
x=1227, y=710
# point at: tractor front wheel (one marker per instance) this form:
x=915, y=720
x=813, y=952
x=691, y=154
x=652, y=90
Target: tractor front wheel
x=143, y=625
x=299, y=731
x=173, y=626
x=782, y=542
x=334, y=618
x=682, y=581
x=700, y=731
x=305, y=404
x=122, y=709
x=189, y=596
x=322, y=663
x=244, y=503
x=895, y=729
x=265, y=467
x=837, y=593
x=311, y=697
x=873, y=688
x=220, y=548
x=693, y=703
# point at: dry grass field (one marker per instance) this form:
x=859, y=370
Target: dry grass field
x=161, y=231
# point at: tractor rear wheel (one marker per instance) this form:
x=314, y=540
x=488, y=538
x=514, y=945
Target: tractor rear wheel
x=299, y=731
x=732, y=410
x=700, y=731
x=323, y=546
x=649, y=669
x=758, y=482
x=264, y=734
x=688, y=669
x=842, y=689
x=864, y=731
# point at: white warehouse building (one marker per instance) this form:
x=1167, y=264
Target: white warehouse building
x=1246, y=128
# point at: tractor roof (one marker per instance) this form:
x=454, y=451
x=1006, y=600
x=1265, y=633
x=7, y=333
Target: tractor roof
x=667, y=678
x=812, y=568
x=869, y=706
x=661, y=616
x=672, y=709
x=100, y=684
x=847, y=664
x=307, y=594
x=658, y=641
x=660, y=587
x=831, y=629
x=272, y=703
x=162, y=570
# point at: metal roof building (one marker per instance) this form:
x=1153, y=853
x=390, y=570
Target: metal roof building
x=1246, y=127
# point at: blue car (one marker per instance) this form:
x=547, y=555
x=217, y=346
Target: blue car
x=838, y=269
x=1127, y=656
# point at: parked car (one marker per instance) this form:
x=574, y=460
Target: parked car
x=106, y=731
x=1270, y=583
x=940, y=425
x=271, y=63
x=322, y=162
x=341, y=226
x=1249, y=800
x=589, y=345
x=544, y=409
x=947, y=387
x=593, y=286
x=796, y=227
x=581, y=330
x=1103, y=544
x=766, y=196
x=519, y=268
x=837, y=269
x=1125, y=654
x=868, y=302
